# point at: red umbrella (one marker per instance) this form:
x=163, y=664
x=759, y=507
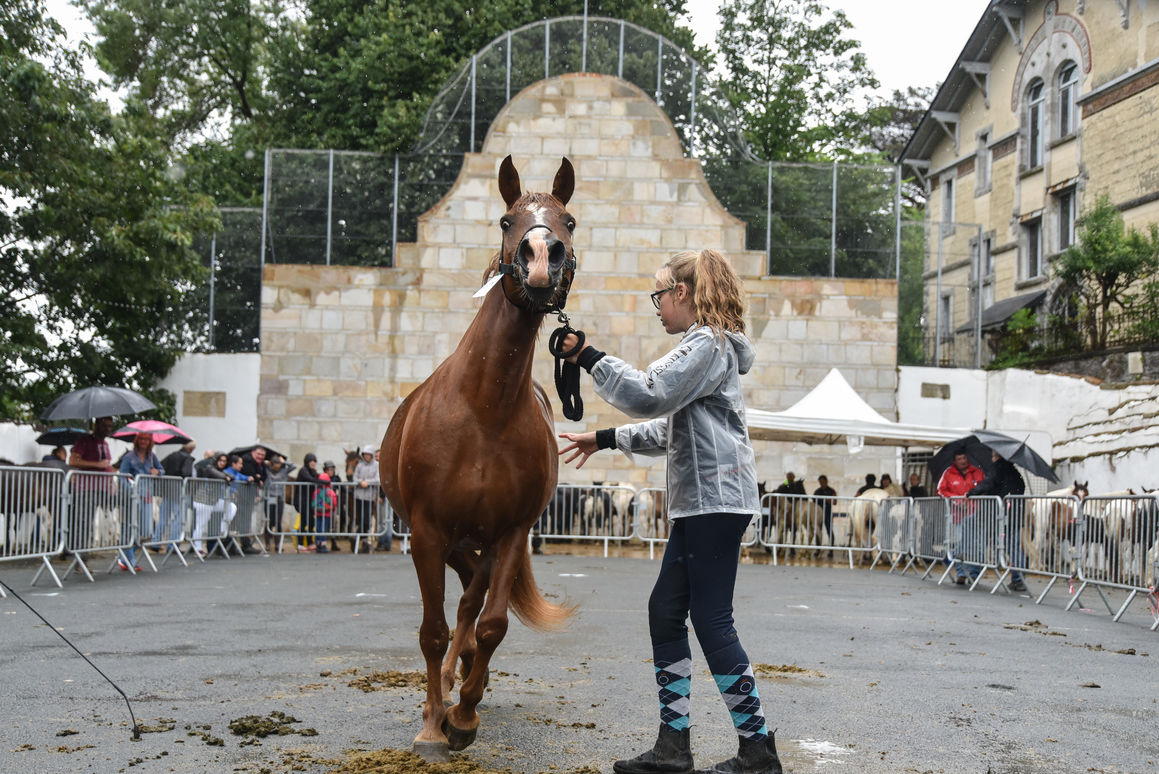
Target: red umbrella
x=162, y=432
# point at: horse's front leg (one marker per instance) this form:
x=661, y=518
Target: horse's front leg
x=462, y=719
x=474, y=573
x=427, y=552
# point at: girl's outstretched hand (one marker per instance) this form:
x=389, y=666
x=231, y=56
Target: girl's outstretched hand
x=583, y=445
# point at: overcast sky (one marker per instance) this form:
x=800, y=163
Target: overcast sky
x=907, y=42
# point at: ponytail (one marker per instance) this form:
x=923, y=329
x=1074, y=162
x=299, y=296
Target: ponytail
x=716, y=289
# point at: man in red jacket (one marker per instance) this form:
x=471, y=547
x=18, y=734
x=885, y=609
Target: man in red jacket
x=956, y=482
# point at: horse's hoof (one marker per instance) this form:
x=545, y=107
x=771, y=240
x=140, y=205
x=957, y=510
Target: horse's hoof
x=432, y=752
x=459, y=739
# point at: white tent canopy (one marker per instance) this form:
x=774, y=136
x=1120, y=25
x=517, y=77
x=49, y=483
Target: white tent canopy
x=834, y=413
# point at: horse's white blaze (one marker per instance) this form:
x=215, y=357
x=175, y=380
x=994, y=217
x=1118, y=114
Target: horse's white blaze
x=538, y=275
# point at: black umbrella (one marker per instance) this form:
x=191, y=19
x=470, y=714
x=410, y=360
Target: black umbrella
x=243, y=450
x=978, y=447
x=98, y=401
x=61, y=436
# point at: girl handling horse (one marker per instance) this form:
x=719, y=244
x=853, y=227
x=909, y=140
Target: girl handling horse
x=693, y=394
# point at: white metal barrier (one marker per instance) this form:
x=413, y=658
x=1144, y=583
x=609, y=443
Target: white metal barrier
x=100, y=518
x=160, y=504
x=1119, y=549
x=973, y=544
x=599, y=512
x=1044, y=537
x=292, y=515
x=930, y=517
x=806, y=523
x=213, y=511
x=894, y=532
x=32, y=508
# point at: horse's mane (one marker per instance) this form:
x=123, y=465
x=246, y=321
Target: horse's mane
x=493, y=266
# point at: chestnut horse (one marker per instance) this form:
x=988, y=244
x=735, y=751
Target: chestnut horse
x=470, y=461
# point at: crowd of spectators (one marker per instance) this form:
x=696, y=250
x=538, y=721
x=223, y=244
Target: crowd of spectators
x=249, y=489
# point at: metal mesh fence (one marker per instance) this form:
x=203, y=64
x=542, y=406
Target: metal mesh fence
x=354, y=208
x=338, y=207
x=228, y=314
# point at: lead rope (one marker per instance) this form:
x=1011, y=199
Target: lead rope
x=567, y=375
x=136, y=728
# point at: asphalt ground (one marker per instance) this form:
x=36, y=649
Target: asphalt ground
x=897, y=674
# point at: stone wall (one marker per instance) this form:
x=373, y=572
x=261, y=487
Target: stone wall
x=342, y=346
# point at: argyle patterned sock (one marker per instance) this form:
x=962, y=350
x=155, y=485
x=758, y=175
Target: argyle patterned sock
x=738, y=687
x=673, y=664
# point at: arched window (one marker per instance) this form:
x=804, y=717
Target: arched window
x=1035, y=100
x=1068, y=89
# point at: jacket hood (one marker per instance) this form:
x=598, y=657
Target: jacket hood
x=309, y=458
x=746, y=353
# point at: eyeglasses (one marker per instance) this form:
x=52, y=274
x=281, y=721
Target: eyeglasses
x=656, y=296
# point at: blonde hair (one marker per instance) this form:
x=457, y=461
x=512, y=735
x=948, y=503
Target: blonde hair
x=716, y=291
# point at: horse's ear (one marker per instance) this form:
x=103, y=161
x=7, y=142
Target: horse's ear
x=564, y=185
x=509, y=182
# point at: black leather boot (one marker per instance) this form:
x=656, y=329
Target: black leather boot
x=672, y=754
x=754, y=756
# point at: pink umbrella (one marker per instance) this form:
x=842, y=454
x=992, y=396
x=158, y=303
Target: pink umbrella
x=162, y=432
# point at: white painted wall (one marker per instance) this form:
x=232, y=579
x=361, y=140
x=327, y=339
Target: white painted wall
x=966, y=406
x=239, y=376
x=1052, y=410
x=18, y=443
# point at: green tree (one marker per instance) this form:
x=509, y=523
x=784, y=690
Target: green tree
x=793, y=74
x=892, y=121
x=193, y=63
x=1104, y=265
x=95, y=258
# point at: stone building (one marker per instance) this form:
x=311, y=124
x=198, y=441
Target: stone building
x=342, y=346
x=1048, y=106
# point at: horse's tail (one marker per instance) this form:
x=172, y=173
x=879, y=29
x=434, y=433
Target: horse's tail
x=529, y=605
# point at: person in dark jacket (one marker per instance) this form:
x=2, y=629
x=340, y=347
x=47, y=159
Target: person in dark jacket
x=307, y=487
x=1004, y=479
x=253, y=464
x=180, y=463
x=915, y=488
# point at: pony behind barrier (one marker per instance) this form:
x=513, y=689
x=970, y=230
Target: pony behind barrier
x=470, y=461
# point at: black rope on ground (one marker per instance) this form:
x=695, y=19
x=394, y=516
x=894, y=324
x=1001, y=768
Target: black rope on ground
x=136, y=728
x=567, y=375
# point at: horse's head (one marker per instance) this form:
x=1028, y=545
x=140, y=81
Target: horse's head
x=537, y=256
x=1080, y=490
x=351, y=461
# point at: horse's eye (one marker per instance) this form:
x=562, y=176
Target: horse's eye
x=571, y=226
x=504, y=224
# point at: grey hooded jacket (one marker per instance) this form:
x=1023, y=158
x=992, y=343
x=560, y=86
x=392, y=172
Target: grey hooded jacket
x=694, y=398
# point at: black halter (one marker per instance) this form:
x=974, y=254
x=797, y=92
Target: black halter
x=569, y=264
x=567, y=375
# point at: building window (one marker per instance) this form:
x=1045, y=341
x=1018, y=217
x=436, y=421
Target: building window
x=1068, y=88
x=1066, y=218
x=1032, y=241
x=1034, y=106
x=982, y=163
x=948, y=201
x=987, y=258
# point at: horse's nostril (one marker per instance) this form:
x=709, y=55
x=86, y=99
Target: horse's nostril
x=556, y=251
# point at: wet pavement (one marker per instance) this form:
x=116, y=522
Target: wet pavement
x=864, y=671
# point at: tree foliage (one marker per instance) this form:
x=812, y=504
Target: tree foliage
x=95, y=236
x=794, y=74
x=892, y=122
x=1102, y=268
